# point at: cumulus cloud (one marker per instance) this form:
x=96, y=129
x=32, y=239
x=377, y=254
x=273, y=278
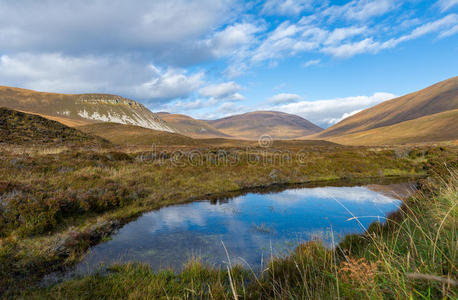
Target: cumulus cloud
x=145, y=51
x=284, y=98
x=344, y=116
x=327, y=112
x=233, y=39
x=171, y=84
x=169, y=31
x=226, y=90
x=67, y=74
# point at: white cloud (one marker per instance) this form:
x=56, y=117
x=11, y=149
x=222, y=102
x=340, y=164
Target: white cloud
x=446, y=21
x=184, y=106
x=286, y=7
x=317, y=33
x=67, y=74
x=344, y=116
x=363, y=9
x=360, y=9
x=340, y=34
x=226, y=90
x=446, y=4
x=449, y=32
x=233, y=39
x=284, y=40
x=325, y=112
x=169, y=30
x=342, y=194
x=142, y=50
x=351, y=49
x=171, y=84
x=445, y=25
x=310, y=63
x=284, y=98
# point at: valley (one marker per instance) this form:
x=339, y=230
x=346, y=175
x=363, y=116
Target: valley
x=67, y=191
x=228, y=150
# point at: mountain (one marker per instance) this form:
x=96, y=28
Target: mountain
x=81, y=109
x=253, y=125
x=385, y=119
x=21, y=128
x=191, y=127
x=438, y=127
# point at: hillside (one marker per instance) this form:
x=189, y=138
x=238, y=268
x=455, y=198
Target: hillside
x=437, y=98
x=432, y=128
x=121, y=134
x=253, y=125
x=81, y=109
x=191, y=127
x=22, y=129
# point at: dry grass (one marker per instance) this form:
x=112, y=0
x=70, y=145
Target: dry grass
x=437, y=98
x=432, y=128
x=413, y=256
x=59, y=204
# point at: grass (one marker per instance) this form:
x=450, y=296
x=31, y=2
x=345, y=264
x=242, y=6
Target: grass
x=57, y=203
x=413, y=256
x=432, y=128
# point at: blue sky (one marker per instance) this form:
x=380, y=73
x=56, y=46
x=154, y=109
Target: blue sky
x=322, y=60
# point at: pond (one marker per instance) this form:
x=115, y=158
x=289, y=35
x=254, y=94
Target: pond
x=253, y=227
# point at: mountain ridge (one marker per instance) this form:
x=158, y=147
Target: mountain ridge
x=436, y=98
x=253, y=125
x=191, y=127
x=87, y=108
x=427, y=115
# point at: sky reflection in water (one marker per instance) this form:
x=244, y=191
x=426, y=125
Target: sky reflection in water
x=252, y=227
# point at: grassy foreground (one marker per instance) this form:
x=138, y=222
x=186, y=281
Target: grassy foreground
x=413, y=256
x=55, y=203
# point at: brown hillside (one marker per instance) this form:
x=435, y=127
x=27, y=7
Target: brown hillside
x=81, y=109
x=21, y=128
x=253, y=125
x=432, y=128
x=134, y=135
x=191, y=127
x=437, y=98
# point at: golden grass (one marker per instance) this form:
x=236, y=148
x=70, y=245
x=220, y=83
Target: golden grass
x=440, y=127
x=437, y=98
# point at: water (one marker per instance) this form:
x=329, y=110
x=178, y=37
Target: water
x=252, y=227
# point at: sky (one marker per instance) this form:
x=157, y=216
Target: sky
x=322, y=60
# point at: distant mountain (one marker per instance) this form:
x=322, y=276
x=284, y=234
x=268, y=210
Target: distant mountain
x=427, y=115
x=74, y=110
x=191, y=127
x=252, y=125
x=20, y=128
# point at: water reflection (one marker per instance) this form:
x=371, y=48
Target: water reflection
x=253, y=227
